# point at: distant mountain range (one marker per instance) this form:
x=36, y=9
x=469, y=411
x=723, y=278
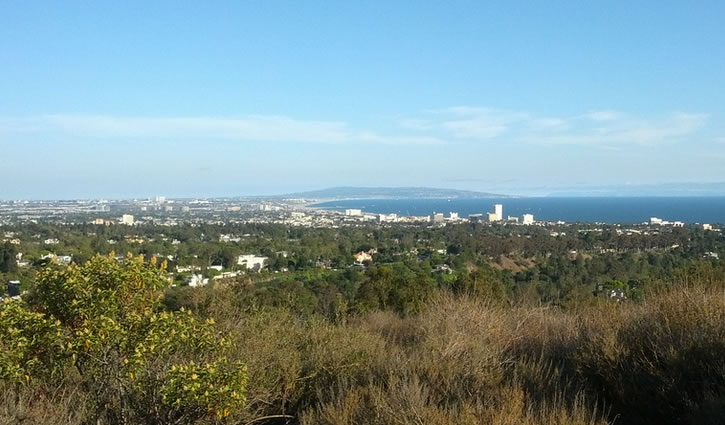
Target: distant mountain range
x=389, y=193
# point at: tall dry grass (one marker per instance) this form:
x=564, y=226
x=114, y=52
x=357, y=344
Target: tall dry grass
x=463, y=360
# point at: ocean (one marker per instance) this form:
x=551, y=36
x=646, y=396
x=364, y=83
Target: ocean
x=607, y=210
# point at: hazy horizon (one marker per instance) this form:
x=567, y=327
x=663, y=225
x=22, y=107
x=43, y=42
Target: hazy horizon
x=125, y=100
x=676, y=190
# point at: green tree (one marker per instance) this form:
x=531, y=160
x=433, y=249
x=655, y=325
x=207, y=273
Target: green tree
x=481, y=282
x=7, y=258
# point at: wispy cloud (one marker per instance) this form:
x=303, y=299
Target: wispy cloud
x=622, y=130
x=603, y=115
x=601, y=129
x=610, y=130
x=480, y=123
x=255, y=128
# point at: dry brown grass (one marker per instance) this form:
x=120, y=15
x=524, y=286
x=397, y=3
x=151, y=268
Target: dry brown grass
x=40, y=405
x=467, y=361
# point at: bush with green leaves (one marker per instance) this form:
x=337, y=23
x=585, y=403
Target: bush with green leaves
x=103, y=324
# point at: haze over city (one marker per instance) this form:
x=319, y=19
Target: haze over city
x=131, y=99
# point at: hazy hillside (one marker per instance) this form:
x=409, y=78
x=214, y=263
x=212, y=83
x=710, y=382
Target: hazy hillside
x=390, y=192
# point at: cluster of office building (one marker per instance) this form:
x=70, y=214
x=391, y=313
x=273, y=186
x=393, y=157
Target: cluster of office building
x=495, y=216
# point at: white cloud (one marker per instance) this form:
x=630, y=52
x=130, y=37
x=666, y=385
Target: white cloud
x=258, y=128
x=469, y=122
x=416, y=124
x=549, y=124
x=459, y=124
x=621, y=131
x=603, y=115
x=601, y=129
x=479, y=127
x=253, y=128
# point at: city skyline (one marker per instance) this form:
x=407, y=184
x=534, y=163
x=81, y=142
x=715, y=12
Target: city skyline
x=128, y=100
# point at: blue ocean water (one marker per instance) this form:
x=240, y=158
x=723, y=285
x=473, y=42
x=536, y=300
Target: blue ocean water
x=606, y=210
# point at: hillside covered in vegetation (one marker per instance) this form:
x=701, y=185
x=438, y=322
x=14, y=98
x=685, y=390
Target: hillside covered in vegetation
x=101, y=343
x=463, y=324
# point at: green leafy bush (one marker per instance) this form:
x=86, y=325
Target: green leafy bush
x=102, y=324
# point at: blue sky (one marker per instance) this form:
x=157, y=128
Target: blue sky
x=127, y=99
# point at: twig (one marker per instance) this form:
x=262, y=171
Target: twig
x=264, y=418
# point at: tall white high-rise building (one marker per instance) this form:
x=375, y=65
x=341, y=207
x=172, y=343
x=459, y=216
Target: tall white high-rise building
x=528, y=219
x=498, y=210
x=127, y=219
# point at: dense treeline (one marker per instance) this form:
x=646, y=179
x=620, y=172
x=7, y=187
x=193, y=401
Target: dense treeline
x=519, y=263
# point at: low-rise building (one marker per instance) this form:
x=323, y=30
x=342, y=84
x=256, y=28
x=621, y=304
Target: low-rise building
x=474, y=218
x=59, y=259
x=252, y=262
x=362, y=257
x=387, y=218
x=186, y=269
x=196, y=280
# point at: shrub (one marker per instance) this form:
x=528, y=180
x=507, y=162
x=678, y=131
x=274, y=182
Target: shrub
x=102, y=323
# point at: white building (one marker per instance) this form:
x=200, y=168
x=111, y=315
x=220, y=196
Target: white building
x=127, y=219
x=655, y=220
x=229, y=238
x=498, y=210
x=473, y=218
x=353, y=212
x=186, y=269
x=527, y=219
x=226, y=275
x=436, y=218
x=453, y=216
x=196, y=280
x=387, y=218
x=252, y=262
x=58, y=259
x=706, y=226
x=492, y=217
